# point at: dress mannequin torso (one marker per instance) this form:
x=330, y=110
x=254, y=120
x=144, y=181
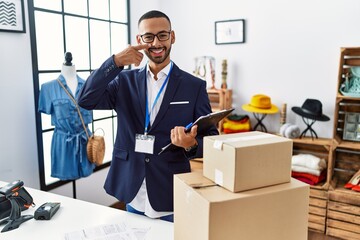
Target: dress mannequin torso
x=69, y=73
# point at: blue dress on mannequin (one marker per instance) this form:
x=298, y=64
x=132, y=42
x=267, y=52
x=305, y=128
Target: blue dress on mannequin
x=68, y=147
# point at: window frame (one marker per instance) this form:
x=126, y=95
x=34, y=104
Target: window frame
x=36, y=83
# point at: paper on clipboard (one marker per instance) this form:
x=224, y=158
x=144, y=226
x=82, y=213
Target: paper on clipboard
x=203, y=123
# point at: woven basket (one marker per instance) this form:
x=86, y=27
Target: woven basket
x=95, y=149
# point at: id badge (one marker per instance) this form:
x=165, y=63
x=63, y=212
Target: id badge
x=144, y=143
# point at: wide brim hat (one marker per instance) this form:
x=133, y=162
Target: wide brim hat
x=312, y=109
x=260, y=103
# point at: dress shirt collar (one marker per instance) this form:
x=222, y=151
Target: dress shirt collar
x=163, y=72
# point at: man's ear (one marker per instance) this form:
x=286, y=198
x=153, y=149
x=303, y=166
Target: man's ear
x=138, y=39
x=172, y=37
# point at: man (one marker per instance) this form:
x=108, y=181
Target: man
x=153, y=105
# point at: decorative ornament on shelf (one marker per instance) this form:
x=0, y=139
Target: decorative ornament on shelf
x=224, y=74
x=212, y=72
x=283, y=114
x=202, y=66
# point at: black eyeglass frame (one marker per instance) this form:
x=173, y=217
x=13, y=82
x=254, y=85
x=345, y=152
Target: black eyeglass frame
x=155, y=35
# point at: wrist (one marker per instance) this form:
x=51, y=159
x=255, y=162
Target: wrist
x=117, y=61
x=192, y=147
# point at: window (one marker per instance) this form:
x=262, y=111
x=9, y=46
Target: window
x=92, y=30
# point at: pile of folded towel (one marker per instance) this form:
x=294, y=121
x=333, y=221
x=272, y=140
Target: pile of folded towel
x=308, y=168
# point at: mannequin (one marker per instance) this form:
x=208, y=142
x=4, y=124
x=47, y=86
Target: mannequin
x=69, y=72
x=68, y=145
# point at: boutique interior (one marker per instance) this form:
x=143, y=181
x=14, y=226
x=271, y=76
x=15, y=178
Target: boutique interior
x=289, y=148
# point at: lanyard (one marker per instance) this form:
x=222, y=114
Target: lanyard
x=147, y=113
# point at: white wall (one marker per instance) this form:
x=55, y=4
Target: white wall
x=18, y=150
x=291, y=53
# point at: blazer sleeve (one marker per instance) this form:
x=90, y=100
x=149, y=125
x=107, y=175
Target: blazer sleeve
x=99, y=90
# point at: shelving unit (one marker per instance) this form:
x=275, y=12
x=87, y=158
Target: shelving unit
x=333, y=209
x=220, y=99
x=343, y=210
x=322, y=148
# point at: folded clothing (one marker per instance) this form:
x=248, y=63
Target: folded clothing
x=305, y=170
x=308, y=161
x=289, y=130
x=309, y=178
x=236, y=123
x=227, y=131
x=237, y=118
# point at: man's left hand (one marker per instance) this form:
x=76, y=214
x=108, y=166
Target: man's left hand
x=181, y=139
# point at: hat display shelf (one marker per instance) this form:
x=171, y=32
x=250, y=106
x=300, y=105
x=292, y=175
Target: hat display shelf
x=260, y=105
x=310, y=111
x=259, y=124
x=343, y=210
x=308, y=123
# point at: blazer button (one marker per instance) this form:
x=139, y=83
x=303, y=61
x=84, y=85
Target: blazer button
x=147, y=160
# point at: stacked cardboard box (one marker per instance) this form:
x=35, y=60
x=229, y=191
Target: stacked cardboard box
x=204, y=210
x=248, y=160
x=246, y=192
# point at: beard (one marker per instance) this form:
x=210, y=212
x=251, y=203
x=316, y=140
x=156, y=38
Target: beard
x=158, y=59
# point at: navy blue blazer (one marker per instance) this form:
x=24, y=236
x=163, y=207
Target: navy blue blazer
x=110, y=87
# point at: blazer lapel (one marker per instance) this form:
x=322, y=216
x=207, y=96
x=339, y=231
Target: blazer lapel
x=173, y=83
x=141, y=91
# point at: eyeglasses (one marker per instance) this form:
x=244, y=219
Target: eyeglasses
x=149, y=37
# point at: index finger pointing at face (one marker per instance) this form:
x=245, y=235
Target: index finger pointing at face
x=141, y=46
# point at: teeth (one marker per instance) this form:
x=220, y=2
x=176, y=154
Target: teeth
x=156, y=50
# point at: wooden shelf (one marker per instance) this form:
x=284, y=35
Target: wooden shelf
x=339, y=143
x=220, y=99
x=340, y=97
x=343, y=210
x=315, y=141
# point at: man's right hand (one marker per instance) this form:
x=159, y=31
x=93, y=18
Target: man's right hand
x=130, y=55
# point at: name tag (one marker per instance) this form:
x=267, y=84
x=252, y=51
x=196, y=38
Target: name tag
x=144, y=143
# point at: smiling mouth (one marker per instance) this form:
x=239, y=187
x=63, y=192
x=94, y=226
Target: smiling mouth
x=156, y=51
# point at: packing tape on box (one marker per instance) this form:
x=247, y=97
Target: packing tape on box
x=218, y=144
x=189, y=193
x=219, y=177
x=201, y=185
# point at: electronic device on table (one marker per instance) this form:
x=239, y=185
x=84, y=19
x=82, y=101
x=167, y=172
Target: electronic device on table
x=46, y=211
x=19, y=199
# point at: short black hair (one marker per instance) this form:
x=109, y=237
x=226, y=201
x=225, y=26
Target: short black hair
x=154, y=14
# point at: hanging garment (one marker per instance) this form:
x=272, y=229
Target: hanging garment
x=68, y=145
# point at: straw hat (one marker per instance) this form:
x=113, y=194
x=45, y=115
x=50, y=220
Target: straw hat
x=260, y=103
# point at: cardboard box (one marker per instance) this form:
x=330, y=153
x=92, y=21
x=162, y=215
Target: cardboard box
x=244, y=161
x=206, y=211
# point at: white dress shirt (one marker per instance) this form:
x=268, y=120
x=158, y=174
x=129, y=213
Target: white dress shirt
x=141, y=201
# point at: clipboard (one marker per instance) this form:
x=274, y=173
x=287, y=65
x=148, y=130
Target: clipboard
x=203, y=123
